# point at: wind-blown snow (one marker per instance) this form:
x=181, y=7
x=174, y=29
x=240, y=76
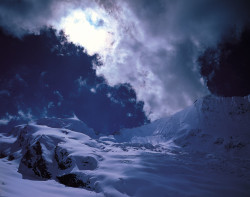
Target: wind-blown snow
x=200, y=151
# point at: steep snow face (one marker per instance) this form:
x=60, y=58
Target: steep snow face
x=200, y=151
x=210, y=124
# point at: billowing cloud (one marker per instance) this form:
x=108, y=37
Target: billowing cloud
x=158, y=53
x=155, y=44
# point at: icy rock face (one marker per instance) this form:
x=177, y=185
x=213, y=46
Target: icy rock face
x=62, y=158
x=50, y=153
x=31, y=150
x=33, y=160
x=77, y=180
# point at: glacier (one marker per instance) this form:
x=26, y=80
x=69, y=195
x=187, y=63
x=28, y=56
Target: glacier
x=203, y=150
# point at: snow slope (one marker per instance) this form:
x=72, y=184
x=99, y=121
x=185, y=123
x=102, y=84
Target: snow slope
x=200, y=151
x=211, y=124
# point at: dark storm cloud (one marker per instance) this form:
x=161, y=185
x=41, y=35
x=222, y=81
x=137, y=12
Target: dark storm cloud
x=37, y=82
x=226, y=66
x=194, y=17
x=4, y=93
x=20, y=17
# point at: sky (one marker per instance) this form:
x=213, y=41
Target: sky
x=129, y=61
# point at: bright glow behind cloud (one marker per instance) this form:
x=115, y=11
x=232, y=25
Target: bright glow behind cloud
x=87, y=29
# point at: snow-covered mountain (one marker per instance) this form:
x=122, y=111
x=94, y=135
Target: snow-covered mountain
x=210, y=124
x=203, y=150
